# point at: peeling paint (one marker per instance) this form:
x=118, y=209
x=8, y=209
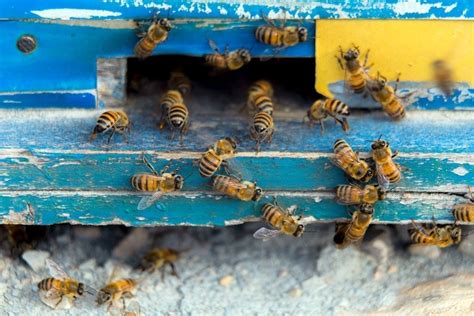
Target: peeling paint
x=67, y=14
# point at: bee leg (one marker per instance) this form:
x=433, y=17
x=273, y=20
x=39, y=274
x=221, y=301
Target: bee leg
x=162, y=274
x=366, y=58
x=340, y=62
x=396, y=83
x=321, y=126
x=110, y=136
x=148, y=164
x=173, y=270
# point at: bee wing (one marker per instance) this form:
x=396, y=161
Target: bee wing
x=237, y=170
x=266, y=234
x=382, y=179
x=149, y=200
x=55, y=270
x=213, y=46
x=50, y=294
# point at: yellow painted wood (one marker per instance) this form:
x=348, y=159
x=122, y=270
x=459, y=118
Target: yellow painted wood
x=396, y=46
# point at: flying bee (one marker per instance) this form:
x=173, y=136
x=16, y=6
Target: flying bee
x=280, y=36
x=346, y=159
x=232, y=60
x=387, y=96
x=464, y=212
x=387, y=170
x=179, y=81
x=237, y=189
x=443, y=76
x=116, y=290
x=357, y=72
x=321, y=109
x=114, y=121
x=215, y=156
x=262, y=128
x=354, y=231
x=156, y=34
x=159, y=183
x=282, y=221
x=158, y=258
x=353, y=194
x=260, y=97
x=52, y=290
x=438, y=235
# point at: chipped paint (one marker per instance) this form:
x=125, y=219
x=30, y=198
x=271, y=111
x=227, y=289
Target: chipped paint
x=460, y=171
x=67, y=14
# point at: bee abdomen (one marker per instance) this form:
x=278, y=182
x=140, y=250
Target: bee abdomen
x=144, y=182
x=271, y=213
x=221, y=183
x=345, y=193
x=395, y=109
x=261, y=86
x=336, y=106
x=464, y=212
x=46, y=284
x=144, y=47
x=262, y=121
x=340, y=145
x=178, y=115
x=209, y=164
x=216, y=60
x=269, y=35
x=395, y=175
x=264, y=103
x=105, y=121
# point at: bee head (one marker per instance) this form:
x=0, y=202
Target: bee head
x=103, y=297
x=245, y=55
x=367, y=209
x=258, y=194
x=456, y=233
x=232, y=142
x=351, y=54
x=178, y=182
x=299, y=230
x=302, y=34
x=381, y=193
x=165, y=24
x=80, y=288
x=368, y=175
x=379, y=144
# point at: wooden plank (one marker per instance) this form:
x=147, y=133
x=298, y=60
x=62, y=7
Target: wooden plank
x=302, y=9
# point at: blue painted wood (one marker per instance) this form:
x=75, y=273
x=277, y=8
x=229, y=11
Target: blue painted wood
x=302, y=9
x=35, y=100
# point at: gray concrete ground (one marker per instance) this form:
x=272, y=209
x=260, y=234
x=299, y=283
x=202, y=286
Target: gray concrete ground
x=227, y=272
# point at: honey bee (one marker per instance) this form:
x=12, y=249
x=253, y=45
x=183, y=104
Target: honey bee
x=168, y=99
x=280, y=36
x=387, y=170
x=282, y=222
x=464, y=212
x=215, y=156
x=174, y=113
x=354, y=231
x=158, y=258
x=156, y=34
x=261, y=87
x=358, y=76
x=235, y=188
x=262, y=128
x=159, y=183
x=321, y=109
x=387, y=96
x=438, y=235
x=116, y=290
x=260, y=97
x=179, y=81
x=114, y=121
x=52, y=290
x=353, y=194
x=346, y=159
x=443, y=76
x=232, y=60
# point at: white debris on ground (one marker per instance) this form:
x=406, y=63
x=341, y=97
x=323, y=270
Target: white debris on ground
x=226, y=272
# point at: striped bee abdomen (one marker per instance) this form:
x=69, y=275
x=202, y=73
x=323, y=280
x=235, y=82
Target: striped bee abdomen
x=105, y=121
x=178, y=115
x=145, y=182
x=464, y=212
x=336, y=106
x=272, y=214
x=263, y=103
x=395, y=109
x=46, y=284
x=144, y=47
x=262, y=121
x=209, y=163
x=216, y=60
x=269, y=35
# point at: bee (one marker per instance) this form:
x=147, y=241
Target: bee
x=159, y=183
x=321, y=109
x=232, y=60
x=214, y=157
x=168, y=99
x=114, y=121
x=354, y=231
x=387, y=170
x=261, y=87
x=358, y=76
x=282, y=221
x=346, y=159
x=156, y=34
x=60, y=285
x=387, y=96
x=262, y=128
x=464, y=212
x=438, y=235
x=443, y=76
x=116, y=290
x=280, y=36
x=158, y=258
x=174, y=113
x=235, y=188
x=179, y=81
x=260, y=97
x=353, y=194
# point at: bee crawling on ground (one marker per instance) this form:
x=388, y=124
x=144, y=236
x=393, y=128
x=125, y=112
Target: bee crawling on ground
x=236, y=188
x=321, y=109
x=354, y=231
x=464, y=212
x=216, y=156
x=283, y=221
x=351, y=194
x=260, y=97
x=179, y=81
x=387, y=96
x=262, y=129
x=443, y=76
x=112, y=121
x=159, y=183
x=53, y=290
x=232, y=60
x=356, y=73
x=116, y=290
x=174, y=113
x=158, y=259
x=438, y=235
x=280, y=36
x=157, y=33
x=349, y=161
x=387, y=170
